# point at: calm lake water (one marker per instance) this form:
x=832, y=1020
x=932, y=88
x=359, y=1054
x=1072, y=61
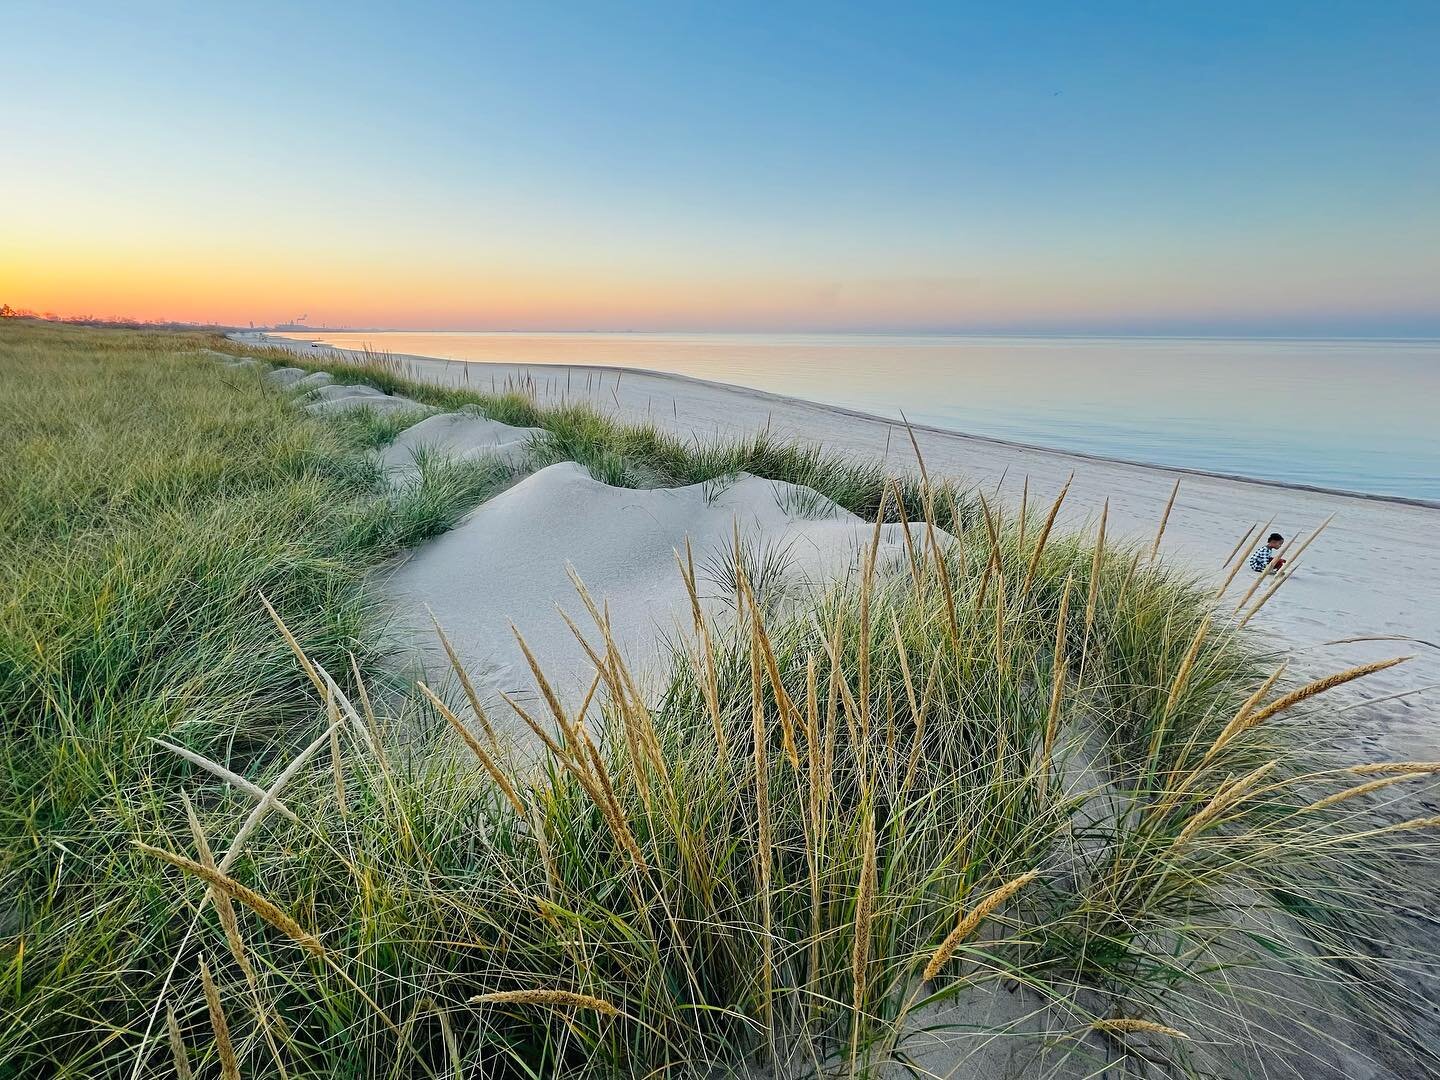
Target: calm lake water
x=1359, y=415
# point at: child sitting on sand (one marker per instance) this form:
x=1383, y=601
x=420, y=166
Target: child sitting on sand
x=1265, y=553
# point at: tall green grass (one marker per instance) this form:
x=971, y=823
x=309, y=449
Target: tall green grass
x=841, y=833
x=147, y=499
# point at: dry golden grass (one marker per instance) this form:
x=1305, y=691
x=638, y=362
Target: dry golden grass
x=1319, y=686
x=555, y=999
x=178, y=1053
x=232, y=889
x=229, y=1066
x=970, y=922
x=488, y=763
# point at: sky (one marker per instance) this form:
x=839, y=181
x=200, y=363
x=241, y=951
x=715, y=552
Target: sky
x=1055, y=167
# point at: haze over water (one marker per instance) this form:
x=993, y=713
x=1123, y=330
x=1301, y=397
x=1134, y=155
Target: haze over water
x=1357, y=415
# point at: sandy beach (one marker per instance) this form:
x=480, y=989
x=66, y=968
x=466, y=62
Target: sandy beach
x=1373, y=574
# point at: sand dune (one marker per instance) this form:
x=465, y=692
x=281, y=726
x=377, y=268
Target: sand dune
x=337, y=397
x=509, y=562
x=459, y=436
x=285, y=377
x=312, y=381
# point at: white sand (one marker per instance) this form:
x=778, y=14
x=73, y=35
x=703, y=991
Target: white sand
x=336, y=398
x=507, y=564
x=313, y=381
x=285, y=377
x=460, y=436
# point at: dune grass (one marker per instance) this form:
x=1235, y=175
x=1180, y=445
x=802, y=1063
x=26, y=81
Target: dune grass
x=1026, y=792
x=146, y=500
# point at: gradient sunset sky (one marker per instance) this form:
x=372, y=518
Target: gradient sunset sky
x=1147, y=167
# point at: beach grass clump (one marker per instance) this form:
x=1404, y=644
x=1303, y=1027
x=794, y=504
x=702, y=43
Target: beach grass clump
x=893, y=817
x=364, y=427
x=852, y=827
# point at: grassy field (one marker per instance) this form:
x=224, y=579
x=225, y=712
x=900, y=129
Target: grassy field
x=1028, y=768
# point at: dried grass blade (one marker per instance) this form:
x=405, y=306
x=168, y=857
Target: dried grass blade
x=229, y=1067
x=1044, y=536
x=1128, y=1027
x=1320, y=686
x=489, y=764
x=305, y=664
x=249, y=897
x=255, y=791
x=864, y=915
x=971, y=921
x=177, y=1046
x=224, y=908
x=1164, y=520
x=465, y=683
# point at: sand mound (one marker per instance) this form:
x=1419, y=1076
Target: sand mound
x=459, y=436
x=313, y=381
x=344, y=391
x=337, y=398
x=285, y=377
x=507, y=563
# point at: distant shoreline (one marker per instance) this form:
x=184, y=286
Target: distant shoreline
x=840, y=410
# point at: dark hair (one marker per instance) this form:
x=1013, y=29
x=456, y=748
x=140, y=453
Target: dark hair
x=1275, y=536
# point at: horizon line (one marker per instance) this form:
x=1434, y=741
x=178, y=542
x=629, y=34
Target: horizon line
x=892, y=332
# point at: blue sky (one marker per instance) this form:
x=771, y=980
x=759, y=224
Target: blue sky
x=1042, y=167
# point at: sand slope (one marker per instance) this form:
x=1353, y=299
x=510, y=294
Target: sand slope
x=285, y=377
x=312, y=381
x=458, y=436
x=507, y=563
x=337, y=397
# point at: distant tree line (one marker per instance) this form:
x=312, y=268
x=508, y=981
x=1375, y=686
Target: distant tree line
x=114, y=321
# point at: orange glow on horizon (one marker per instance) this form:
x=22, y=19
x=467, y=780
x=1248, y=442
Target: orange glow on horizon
x=267, y=287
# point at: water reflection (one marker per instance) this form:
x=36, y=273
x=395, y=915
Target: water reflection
x=1349, y=414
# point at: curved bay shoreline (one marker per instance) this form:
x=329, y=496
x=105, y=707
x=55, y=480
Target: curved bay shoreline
x=1374, y=574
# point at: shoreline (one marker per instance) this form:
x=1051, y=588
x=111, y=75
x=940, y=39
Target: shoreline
x=1367, y=590
x=296, y=345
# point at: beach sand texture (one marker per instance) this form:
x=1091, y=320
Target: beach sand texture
x=509, y=564
x=460, y=436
